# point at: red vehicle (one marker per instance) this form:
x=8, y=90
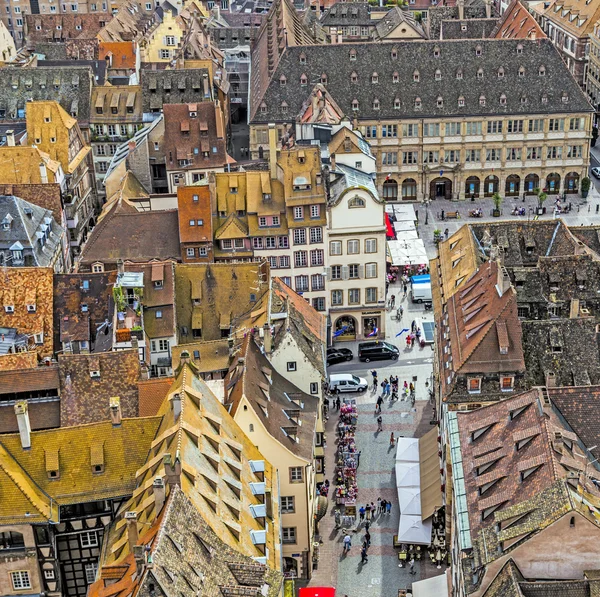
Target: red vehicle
x=317, y=592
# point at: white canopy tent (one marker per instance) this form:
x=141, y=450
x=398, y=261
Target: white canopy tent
x=436, y=586
x=402, y=212
x=413, y=530
x=407, y=252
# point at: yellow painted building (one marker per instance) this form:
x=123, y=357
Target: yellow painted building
x=163, y=41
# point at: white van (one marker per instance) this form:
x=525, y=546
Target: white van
x=345, y=382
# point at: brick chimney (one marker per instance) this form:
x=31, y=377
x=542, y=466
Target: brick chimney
x=268, y=339
x=22, y=413
x=132, y=530
x=273, y=150
x=551, y=379
x=115, y=410
x=158, y=489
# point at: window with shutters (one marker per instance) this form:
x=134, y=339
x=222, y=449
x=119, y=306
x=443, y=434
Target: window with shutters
x=353, y=271
x=371, y=245
x=371, y=270
x=353, y=247
x=336, y=272
x=164, y=54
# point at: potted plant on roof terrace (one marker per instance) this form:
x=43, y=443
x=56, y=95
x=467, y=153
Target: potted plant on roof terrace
x=497, y=199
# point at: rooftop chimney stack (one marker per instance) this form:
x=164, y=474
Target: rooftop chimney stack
x=22, y=413
x=172, y=469
x=176, y=404
x=158, y=488
x=273, y=151
x=268, y=339
x=503, y=280
x=132, y=530
x=43, y=173
x=115, y=410
x=488, y=9
x=10, y=138
x=461, y=9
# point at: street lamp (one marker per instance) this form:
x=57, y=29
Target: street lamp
x=426, y=201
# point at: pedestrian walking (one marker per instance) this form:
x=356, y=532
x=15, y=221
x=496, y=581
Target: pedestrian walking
x=392, y=301
x=347, y=543
x=388, y=389
x=368, y=539
x=363, y=555
x=378, y=405
x=412, y=326
x=373, y=509
x=361, y=513
x=358, y=458
x=367, y=526
x=378, y=504
x=405, y=287
x=411, y=387
x=379, y=423
x=374, y=374
x=412, y=566
x=383, y=505
x=388, y=507
x=338, y=403
x=368, y=509
x=401, y=311
x=392, y=440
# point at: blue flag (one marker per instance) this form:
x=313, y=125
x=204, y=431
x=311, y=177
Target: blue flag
x=340, y=331
x=402, y=332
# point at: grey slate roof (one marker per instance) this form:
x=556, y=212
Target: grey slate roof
x=392, y=19
x=27, y=224
x=468, y=28
x=174, y=87
x=71, y=86
x=524, y=95
x=346, y=14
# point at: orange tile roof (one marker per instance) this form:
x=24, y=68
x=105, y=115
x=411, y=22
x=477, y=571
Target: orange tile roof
x=518, y=23
x=152, y=392
x=196, y=210
x=122, y=53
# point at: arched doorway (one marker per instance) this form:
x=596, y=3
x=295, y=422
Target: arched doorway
x=440, y=188
x=490, y=186
x=390, y=190
x=553, y=183
x=513, y=185
x=345, y=328
x=290, y=567
x=409, y=189
x=472, y=187
x=532, y=182
x=572, y=182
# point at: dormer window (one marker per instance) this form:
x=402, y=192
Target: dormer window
x=375, y=104
x=355, y=105
x=474, y=385
x=521, y=71
x=542, y=71
x=480, y=73
x=303, y=58
x=303, y=80
x=523, y=99
x=503, y=100
x=394, y=53
x=416, y=76
x=519, y=48
x=282, y=81
x=436, y=52
x=459, y=74
x=482, y=100
x=263, y=108
x=395, y=77
x=354, y=77
x=501, y=73
x=565, y=98
x=284, y=107
x=31, y=308
x=324, y=79
x=438, y=75
x=440, y=102
x=352, y=54
x=397, y=103
x=544, y=99
x=418, y=103
x=461, y=102
x=478, y=51
x=374, y=78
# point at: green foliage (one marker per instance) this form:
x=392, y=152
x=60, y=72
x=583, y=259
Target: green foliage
x=119, y=298
x=497, y=199
x=586, y=183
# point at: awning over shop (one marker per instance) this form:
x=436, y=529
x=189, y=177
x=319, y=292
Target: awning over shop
x=419, y=486
x=407, y=252
x=436, y=586
x=389, y=229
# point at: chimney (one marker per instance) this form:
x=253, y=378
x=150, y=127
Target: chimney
x=10, y=138
x=268, y=339
x=21, y=410
x=551, y=379
x=334, y=36
x=132, y=530
x=176, y=404
x=115, y=411
x=206, y=85
x=43, y=173
x=488, y=9
x=120, y=266
x=461, y=9
x=172, y=470
x=273, y=150
x=219, y=121
x=144, y=372
x=158, y=488
x=139, y=555
x=332, y=160
x=503, y=284
x=573, y=479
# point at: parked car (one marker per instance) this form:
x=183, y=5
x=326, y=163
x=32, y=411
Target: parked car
x=596, y=172
x=338, y=355
x=345, y=382
x=375, y=351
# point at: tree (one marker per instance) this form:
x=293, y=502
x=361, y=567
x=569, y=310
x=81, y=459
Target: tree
x=497, y=199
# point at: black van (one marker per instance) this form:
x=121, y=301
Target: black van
x=376, y=351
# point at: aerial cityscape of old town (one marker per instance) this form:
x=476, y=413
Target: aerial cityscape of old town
x=299, y=298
